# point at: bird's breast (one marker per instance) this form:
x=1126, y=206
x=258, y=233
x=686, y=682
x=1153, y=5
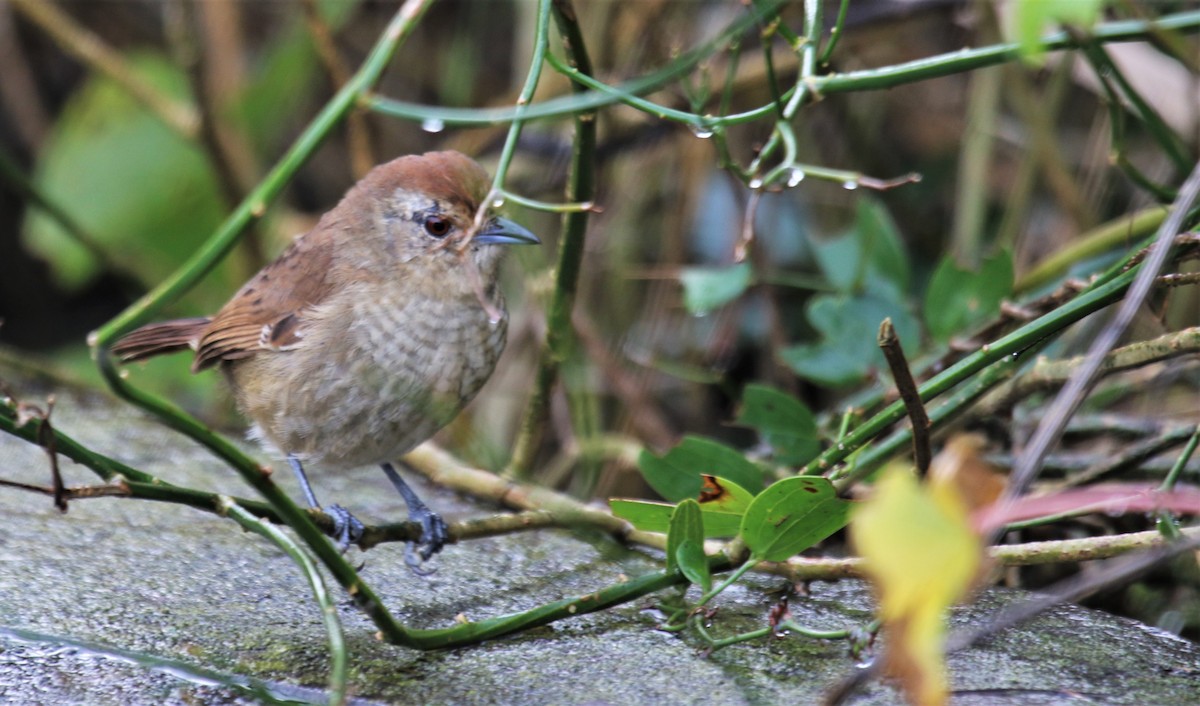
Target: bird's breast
x=373, y=377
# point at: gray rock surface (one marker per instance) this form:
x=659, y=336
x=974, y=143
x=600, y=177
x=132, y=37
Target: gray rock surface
x=172, y=583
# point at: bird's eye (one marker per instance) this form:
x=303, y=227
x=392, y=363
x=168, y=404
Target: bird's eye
x=437, y=226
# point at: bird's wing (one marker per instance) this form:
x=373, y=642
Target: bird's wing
x=268, y=312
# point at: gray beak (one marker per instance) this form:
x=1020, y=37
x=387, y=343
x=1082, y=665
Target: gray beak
x=501, y=231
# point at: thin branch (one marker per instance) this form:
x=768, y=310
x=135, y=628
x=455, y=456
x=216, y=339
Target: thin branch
x=1084, y=377
x=581, y=188
x=1050, y=375
x=329, y=614
x=889, y=343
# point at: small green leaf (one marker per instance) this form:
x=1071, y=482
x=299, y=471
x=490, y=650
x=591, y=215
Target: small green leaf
x=870, y=258
x=957, y=298
x=693, y=564
x=686, y=526
x=656, y=517
x=706, y=288
x=791, y=516
x=783, y=421
x=644, y=515
x=677, y=474
x=850, y=327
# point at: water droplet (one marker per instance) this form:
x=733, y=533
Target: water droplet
x=700, y=314
x=702, y=131
x=795, y=176
x=498, y=203
x=850, y=184
x=756, y=183
x=433, y=124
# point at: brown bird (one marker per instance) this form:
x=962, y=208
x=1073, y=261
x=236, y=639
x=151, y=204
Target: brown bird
x=369, y=333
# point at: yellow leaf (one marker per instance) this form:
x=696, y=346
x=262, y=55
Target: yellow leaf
x=921, y=556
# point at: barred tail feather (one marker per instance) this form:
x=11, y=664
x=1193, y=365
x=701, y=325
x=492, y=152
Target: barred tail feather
x=163, y=337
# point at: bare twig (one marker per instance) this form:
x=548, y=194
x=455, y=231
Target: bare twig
x=43, y=436
x=1050, y=375
x=889, y=343
x=1084, y=377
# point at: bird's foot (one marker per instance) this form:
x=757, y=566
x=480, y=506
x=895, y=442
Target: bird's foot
x=347, y=529
x=434, y=535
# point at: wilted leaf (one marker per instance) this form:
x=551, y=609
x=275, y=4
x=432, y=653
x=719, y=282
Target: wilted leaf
x=706, y=288
x=724, y=495
x=961, y=464
x=791, y=516
x=1112, y=499
x=783, y=421
x=921, y=557
x=957, y=298
x=677, y=474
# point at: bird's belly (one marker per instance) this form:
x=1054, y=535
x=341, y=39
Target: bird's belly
x=389, y=381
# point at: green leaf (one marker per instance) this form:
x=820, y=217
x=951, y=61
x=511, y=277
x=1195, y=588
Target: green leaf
x=870, y=258
x=656, y=517
x=686, y=526
x=146, y=195
x=644, y=515
x=783, y=421
x=957, y=298
x=706, y=288
x=677, y=474
x=791, y=516
x=1031, y=18
x=722, y=504
x=850, y=328
x=693, y=564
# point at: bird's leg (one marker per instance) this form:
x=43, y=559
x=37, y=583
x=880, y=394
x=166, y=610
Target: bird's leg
x=433, y=528
x=346, y=527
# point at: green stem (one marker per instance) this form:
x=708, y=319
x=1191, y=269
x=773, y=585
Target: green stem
x=1094, y=299
x=540, y=42
x=737, y=574
x=1172, y=478
x=329, y=615
x=581, y=188
x=1099, y=240
x=868, y=79
x=875, y=455
x=839, y=25
x=579, y=101
x=1164, y=135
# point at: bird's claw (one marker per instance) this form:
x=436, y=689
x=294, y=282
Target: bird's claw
x=434, y=534
x=347, y=529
